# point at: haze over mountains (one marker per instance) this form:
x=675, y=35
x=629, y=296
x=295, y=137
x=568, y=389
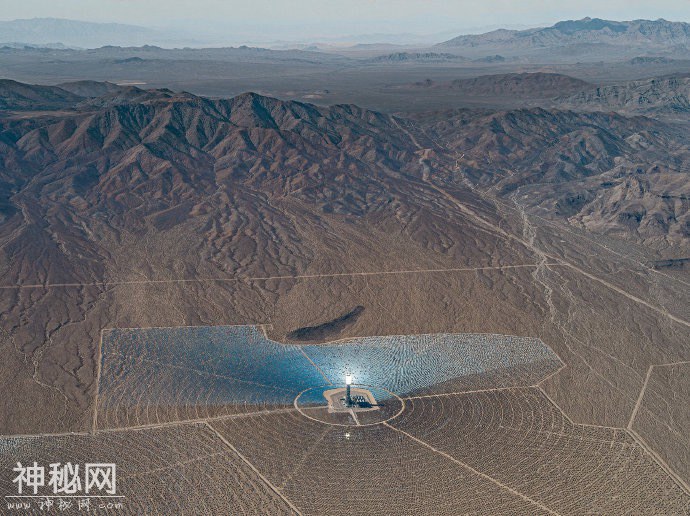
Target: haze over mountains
x=588, y=33
x=73, y=33
x=615, y=56
x=565, y=38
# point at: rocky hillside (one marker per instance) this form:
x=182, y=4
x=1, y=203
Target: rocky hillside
x=154, y=160
x=661, y=95
x=162, y=160
x=526, y=85
x=18, y=96
x=603, y=171
x=90, y=89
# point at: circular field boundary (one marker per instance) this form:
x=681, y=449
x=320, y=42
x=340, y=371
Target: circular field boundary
x=397, y=414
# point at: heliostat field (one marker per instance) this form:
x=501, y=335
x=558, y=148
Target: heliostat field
x=158, y=375
x=240, y=422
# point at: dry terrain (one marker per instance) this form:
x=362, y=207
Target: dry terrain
x=122, y=207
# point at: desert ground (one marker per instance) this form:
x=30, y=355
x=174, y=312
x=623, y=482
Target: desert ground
x=528, y=216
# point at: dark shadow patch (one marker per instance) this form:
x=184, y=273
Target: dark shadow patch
x=326, y=330
x=675, y=263
x=171, y=217
x=84, y=181
x=569, y=205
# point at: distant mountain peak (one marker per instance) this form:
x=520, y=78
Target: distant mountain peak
x=589, y=24
x=75, y=33
x=582, y=36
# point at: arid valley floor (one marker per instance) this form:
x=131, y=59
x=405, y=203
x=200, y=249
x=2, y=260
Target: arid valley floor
x=501, y=253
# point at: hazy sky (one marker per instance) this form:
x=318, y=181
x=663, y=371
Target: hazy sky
x=313, y=18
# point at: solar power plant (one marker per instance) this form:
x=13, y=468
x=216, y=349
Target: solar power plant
x=218, y=419
x=358, y=258
x=157, y=375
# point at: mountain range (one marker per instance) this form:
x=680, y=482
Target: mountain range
x=511, y=84
x=56, y=32
x=603, y=38
x=128, y=207
x=101, y=147
x=652, y=35
x=657, y=95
